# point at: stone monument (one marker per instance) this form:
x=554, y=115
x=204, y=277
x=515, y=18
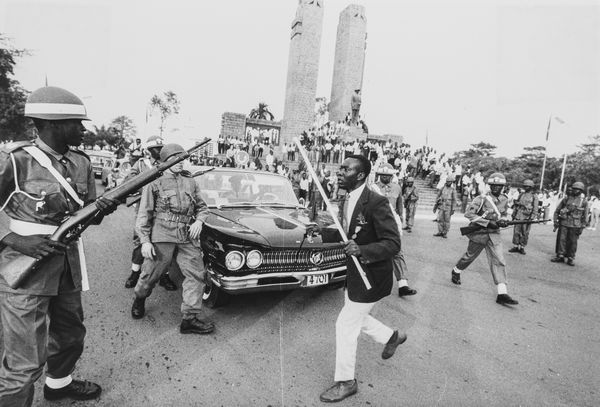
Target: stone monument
x=303, y=69
x=349, y=60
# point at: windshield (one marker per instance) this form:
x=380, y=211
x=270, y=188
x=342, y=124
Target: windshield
x=222, y=187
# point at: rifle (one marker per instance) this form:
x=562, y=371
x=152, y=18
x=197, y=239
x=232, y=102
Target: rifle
x=133, y=199
x=475, y=227
x=20, y=267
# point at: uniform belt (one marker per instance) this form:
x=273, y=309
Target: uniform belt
x=173, y=217
x=23, y=228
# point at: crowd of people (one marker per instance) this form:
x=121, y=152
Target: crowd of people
x=374, y=185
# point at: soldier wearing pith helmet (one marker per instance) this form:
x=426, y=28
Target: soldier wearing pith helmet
x=488, y=211
x=570, y=218
x=525, y=207
x=169, y=224
x=151, y=153
x=392, y=191
x=41, y=182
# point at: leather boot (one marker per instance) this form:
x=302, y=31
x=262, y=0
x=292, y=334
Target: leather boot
x=132, y=279
x=138, y=309
x=166, y=282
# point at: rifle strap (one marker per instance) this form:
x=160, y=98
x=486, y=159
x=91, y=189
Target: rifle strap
x=494, y=207
x=45, y=162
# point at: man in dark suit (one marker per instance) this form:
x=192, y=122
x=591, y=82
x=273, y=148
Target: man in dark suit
x=373, y=238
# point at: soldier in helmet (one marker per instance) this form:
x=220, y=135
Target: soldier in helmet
x=410, y=196
x=525, y=207
x=570, y=218
x=42, y=319
x=444, y=204
x=490, y=213
x=392, y=191
x=169, y=223
x=151, y=159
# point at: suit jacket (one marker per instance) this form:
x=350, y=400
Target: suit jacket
x=374, y=229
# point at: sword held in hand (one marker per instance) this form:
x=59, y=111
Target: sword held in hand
x=338, y=226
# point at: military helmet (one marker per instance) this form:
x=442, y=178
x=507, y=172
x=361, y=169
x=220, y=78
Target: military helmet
x=410, y=179
x=497, y=178
x=528, y=183
x=578, y=185
x=154, y=142
x=52, y=103
x=169, y=150
x=385, y=169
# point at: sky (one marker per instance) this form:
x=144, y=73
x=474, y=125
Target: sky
x=450, y=73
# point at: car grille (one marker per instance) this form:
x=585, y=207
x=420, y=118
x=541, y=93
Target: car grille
x=278, y=261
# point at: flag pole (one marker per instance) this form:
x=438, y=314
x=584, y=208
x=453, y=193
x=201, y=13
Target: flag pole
x=562, y=174
x=545, y=154
x=338, y=226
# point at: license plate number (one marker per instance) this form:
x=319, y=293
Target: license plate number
x=319, y=279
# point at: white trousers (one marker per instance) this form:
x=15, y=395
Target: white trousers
x=354, y=318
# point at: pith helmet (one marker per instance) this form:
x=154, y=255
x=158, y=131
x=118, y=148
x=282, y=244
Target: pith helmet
x=528, y=183
x=52, y=103
x=497, y=178
x=170, y=149
x=154, y=142
x=410, y=179
x=578, y=185
x=385, y=169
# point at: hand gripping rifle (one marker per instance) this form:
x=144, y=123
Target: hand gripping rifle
x=475, y=227
x=21, y=266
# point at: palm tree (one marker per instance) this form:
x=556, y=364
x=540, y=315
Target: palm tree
x=261, y=112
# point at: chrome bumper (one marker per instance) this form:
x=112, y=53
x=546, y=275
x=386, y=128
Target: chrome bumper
x=255, y=282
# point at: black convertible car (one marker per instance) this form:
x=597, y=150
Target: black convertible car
x=259, y=238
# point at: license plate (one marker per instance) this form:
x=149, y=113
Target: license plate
x=318, y=279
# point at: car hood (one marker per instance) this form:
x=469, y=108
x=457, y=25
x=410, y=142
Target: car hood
x=265, y=225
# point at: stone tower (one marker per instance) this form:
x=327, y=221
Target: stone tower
x=349, y=60
x=303, y=69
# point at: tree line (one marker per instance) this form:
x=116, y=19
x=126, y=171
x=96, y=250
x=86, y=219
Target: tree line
x=583, y=165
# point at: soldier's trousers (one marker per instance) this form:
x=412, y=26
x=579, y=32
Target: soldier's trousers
x=566, y=241
x=399, y=266
x=38, y=330
x=411, y=209
x=521, y=235
x=443, y=220
x=189, y=259
x=494, y=256
x=136, y=254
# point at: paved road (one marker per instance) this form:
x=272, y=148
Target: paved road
x=463, y=349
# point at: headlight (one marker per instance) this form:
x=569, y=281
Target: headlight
x=254, y=259
x=234, y=260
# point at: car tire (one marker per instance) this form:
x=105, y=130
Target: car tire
x=213, y=296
